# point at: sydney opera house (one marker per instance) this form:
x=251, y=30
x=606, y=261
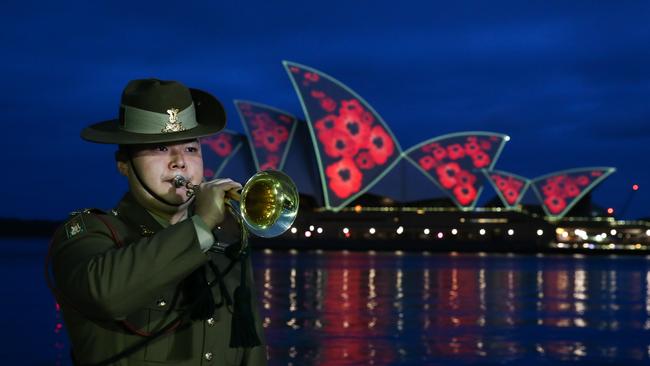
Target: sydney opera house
x=360, y=189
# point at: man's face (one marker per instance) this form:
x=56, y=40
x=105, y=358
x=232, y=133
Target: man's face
x=158, y=164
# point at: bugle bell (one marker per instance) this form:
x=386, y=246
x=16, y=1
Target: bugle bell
x=268, y=204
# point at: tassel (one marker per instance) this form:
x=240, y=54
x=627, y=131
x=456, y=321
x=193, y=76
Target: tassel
x=242, y=331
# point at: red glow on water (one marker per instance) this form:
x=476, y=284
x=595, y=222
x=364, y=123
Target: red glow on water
x=635, y=187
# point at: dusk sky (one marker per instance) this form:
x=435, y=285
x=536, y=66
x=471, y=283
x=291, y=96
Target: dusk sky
x=568, y=81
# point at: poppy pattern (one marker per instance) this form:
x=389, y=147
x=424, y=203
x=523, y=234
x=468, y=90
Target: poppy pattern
x=453, y=162
x=216, y=150
x=511, y=188
x=354, y=145
x=269, y=131
x=558, y=191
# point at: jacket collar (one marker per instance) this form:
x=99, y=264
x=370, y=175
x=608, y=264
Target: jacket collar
x=136, y=216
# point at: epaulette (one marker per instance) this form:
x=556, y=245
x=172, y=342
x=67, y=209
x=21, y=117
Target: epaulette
x=75, y=224
x=86, y=211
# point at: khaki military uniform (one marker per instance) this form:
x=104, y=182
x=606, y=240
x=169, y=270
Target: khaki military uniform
x=112, y=297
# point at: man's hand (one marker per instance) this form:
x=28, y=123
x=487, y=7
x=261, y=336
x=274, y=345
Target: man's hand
x=210, y=198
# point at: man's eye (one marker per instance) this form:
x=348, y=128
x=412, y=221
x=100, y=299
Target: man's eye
x=192, y=149
x=161, y=148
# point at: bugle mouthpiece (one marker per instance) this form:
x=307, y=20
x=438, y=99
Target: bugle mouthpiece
x=179, y=181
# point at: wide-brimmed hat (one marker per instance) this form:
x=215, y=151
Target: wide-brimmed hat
x=153, y=111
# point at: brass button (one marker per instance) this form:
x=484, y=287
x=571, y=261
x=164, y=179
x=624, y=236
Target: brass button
x=161, y=303
x=211, y=322
x=208, y=356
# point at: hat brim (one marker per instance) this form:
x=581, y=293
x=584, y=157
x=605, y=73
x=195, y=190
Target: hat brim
x=210, y=118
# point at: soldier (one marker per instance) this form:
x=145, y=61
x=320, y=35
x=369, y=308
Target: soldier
x=161, y=278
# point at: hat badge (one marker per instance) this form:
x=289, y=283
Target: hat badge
x=173, y=124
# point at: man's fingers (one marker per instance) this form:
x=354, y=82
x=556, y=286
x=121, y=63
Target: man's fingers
x=225, y=183
x=234, y=195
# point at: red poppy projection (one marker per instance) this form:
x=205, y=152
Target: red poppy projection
x=269, y=132
x=217, y=151
x=354, y=146
x=453, y=162
x=560, y=191
x=509, y=187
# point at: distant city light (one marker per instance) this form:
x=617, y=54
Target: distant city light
x=307, y=234
x=647, y=232
x=454, y=231
x=581, y=233
x=357, y=208
x=427, y=231
x=482, y=231
x=311, y=227
x=635, y=187
x=346, y=230
x=294, y=230
x=507, y=138
x=440, y=235
x=610, y=211
x=511, y=232
x=371, y=230
x=319, y=230
x=400, y=230
x=565, y=234
x=613, y=232
x=540, y=232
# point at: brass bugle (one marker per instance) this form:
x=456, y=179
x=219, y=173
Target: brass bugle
x=267, y=206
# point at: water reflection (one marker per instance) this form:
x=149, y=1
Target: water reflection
x=353, y=308
x=349, y=308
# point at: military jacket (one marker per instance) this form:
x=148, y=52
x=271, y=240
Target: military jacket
x=112, y=297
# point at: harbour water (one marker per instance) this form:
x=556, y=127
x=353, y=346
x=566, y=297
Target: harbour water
x=393, y=308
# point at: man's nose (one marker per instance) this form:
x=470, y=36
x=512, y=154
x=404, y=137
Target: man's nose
x=177, y=161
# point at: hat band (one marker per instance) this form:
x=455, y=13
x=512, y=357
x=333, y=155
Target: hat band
x=138, y=120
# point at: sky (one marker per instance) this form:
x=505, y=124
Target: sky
x=568, y=81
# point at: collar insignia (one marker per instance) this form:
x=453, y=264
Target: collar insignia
x=173, y=124
x=145, y=231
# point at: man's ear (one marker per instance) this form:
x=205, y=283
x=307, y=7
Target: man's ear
x=123, y=168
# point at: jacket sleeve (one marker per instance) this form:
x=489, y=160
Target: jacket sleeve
x=103, y=281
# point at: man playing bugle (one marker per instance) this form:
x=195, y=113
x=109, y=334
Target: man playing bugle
x=164, y=278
